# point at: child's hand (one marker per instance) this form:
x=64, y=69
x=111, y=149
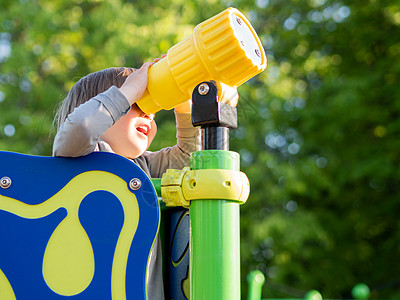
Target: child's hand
x=136, y=83
x=185, y=107
x=158, y=59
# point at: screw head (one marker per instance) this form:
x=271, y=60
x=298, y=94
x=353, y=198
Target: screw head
x=5, y=182
x=135, y=184
x=203, y=89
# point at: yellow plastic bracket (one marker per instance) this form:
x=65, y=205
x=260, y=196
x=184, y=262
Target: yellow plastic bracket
x=171, y=187
x=216, y=184
x=179, y=187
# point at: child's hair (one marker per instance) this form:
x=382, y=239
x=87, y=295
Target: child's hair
x=89, y=86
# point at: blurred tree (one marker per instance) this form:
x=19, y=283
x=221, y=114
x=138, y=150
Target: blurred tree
x=318, y=134
x=46, y=46
x=325, y=128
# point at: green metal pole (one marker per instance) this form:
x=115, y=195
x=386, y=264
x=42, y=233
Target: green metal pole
x=360, y=291
x=256, y=281
x=157, y=185
x=214, y=236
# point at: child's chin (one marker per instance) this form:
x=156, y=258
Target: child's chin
x=137, y=152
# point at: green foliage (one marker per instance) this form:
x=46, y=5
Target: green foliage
x=318, y=134
x=46, y=46
x=327, y=138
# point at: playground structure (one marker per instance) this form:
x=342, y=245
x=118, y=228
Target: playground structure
x=74, y=227
x=60, y=254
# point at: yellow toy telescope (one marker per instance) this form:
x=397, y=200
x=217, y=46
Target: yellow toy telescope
x=224, y=48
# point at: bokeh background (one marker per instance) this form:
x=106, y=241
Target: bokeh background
x=319, y=130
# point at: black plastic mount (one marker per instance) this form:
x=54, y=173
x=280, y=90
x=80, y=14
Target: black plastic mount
x=207, y=111
x=214, y=117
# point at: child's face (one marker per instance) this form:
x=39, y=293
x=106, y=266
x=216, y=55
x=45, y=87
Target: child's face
x=131, y=135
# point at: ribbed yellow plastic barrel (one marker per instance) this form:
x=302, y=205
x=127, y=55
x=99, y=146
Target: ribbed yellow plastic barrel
x=224, y=48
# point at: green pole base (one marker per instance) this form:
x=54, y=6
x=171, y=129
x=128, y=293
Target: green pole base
x=214, y=236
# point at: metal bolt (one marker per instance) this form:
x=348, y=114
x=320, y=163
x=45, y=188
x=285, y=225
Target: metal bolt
x=5, y=182
x=258, y=53
x=203, y=89
x=135, y=184
x=239, y=20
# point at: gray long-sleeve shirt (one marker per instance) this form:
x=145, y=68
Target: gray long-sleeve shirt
x=80, y=135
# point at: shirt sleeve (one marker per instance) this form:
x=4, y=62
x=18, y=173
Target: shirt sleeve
x=81, y=131
x=178, y=156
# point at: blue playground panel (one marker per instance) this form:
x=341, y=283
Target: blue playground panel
x=85, y=210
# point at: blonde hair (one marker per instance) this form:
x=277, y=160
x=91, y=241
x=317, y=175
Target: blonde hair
x=89, y=86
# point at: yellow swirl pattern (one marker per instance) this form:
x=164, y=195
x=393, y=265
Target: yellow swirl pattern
x=6, y=291
x=68, y=262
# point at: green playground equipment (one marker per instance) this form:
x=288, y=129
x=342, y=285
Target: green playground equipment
x=256, y=280
x=214, y=221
